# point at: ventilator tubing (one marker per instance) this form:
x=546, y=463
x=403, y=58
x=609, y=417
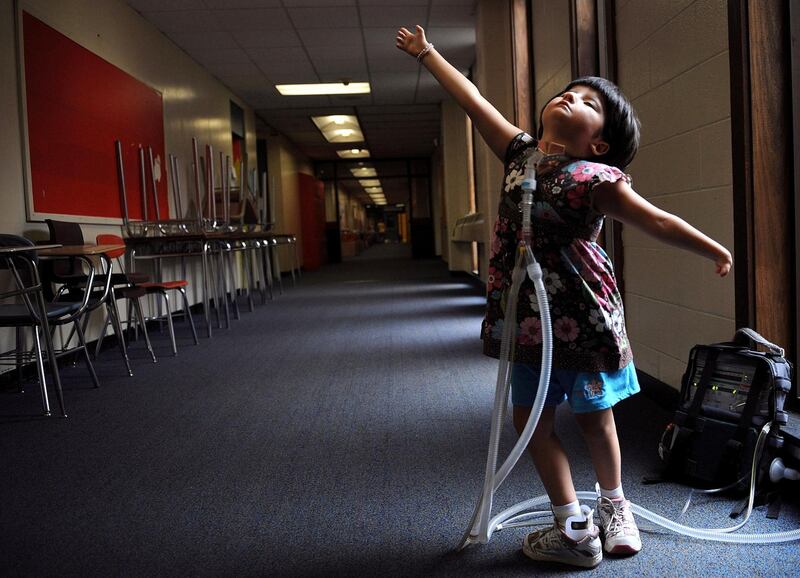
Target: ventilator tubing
x=483, y=525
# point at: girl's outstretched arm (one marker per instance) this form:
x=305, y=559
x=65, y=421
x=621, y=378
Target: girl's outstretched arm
x=494, y=128
x=619, y=201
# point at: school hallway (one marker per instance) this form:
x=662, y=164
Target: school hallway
x=339, y=430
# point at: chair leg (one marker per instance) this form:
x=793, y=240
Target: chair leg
x=171, y=328
x=247, y=258
x=51, y=353
x=40, y=371
x=222, y=288
x=294, y=264
x=113, y=314
x=131, y=320
x=138, y=307
x=266, y=265
x=277, y=258
x=256, y=263
x=83, y=346
x=102, y=336
x=188, y=312
x=213, y=281
x=20, y=362
x=65, y=344
x=234, y=290
x=297, y=261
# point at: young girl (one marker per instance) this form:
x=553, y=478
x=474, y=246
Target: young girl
x=589, y=133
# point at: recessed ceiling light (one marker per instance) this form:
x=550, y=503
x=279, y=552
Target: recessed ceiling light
x=364, y=172
x=324, y=88
x=353, y=153
x=339, y=128
x=370, y=182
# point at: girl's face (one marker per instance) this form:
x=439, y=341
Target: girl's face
x=575, y=118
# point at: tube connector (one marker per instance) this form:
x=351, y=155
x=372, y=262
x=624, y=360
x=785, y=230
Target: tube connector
x=535, y=271
x=529, y=180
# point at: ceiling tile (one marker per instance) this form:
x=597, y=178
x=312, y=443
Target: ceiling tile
x=394, y=81
x=183, y=20
x=331, y=37
x=324, y=17
x=337, y=70
x=381, y=35
x=216, y=39
x=355, y=53
x=451, y=37
x=394, y=16
x=263, y=19
x=445, y=16
x=208, y=55
x=243, y=3
x=317, y=3
x=232, y=68
x=393, y=64
x=161, y=5
x=268, y=39
x=390, y=51
x=290, y=73
x=278, y=55
x=385, y=3
x=351, y=99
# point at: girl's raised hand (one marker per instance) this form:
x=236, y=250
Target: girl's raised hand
x=409, y=42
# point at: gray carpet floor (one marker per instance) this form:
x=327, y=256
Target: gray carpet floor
x=340, y=430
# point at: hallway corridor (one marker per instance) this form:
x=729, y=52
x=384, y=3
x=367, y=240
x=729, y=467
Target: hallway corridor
x=339, y=430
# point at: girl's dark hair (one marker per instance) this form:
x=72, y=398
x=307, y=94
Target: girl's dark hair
x=621, y=128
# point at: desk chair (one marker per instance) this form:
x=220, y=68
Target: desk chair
x=158, y=288
x=66, y=233
x=41, y=316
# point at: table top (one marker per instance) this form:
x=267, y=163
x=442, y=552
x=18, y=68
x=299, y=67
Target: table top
x=77, y=250
x=204, y=236
x=25, y=248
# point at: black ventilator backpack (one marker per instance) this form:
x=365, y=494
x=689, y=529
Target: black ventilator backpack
x=729, y=391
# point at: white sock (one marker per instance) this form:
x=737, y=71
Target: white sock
x=615, y=494
x=572, y=510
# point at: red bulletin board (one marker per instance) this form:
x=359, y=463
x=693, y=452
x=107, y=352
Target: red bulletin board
x=78, y=105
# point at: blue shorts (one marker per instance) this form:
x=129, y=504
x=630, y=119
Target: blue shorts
x=586, y=391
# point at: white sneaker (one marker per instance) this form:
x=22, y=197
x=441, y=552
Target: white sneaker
x=554, y=545
x=617, y=526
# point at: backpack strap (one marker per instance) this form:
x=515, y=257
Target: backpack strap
x=747, y=335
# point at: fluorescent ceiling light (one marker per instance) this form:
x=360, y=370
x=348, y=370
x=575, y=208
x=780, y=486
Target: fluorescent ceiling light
x=370, y=182
x=324, y=88
x=364, y=172
x=353, y=153
x=339, y=128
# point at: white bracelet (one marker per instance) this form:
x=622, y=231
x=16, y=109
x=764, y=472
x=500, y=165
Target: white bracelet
x=424, y=51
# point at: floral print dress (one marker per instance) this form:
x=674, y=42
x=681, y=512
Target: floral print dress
x=585, y=305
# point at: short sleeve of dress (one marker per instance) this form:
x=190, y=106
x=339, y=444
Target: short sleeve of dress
x=606, y=174
x=609, y=174
x=519, y=143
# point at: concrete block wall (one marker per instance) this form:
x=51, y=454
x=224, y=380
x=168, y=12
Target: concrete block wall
x=673, y=65
x=456, y=186
x=494, y=77
x=552, y=64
